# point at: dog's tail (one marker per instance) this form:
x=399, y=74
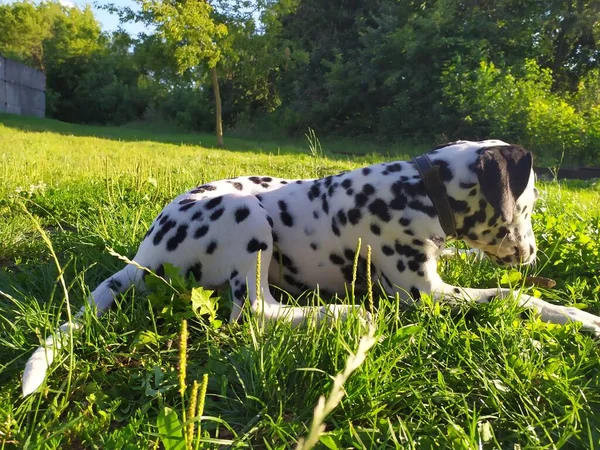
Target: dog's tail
x=102, y=297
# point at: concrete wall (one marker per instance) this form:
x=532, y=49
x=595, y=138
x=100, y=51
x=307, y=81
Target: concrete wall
x=22, y=89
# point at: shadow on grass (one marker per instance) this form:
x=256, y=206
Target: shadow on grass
x=334, y=148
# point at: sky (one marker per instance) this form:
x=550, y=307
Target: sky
x=109, y=22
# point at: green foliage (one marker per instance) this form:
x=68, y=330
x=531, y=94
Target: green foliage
x=521, y=108
x=382, y=69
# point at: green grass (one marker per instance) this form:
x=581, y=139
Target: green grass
x=490, y=375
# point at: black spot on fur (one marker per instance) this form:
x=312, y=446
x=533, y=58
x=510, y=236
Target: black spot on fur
x=214, y=202
x=163, y=230
x=314, y=246
x=368, y=189
x=149, y=232
x=444, y=170
x=241, y=214
x=240, y=293
x=335, y=228
x=401, y=266
x=420, y=206
x=325, y=204
x=387, y=250
x=404, y=222
x=399, y=202
x=375, y=229
x=285, y=217
x=315, y=214
x=114, y=284
x=380, y=209
x=238, y=186
x=195, y=271
x=314, y=192
x=270, y=221
x=366, y=171
x=210, y=248
x=201, y=231
x=179, y=237
x=458, y=205
x=164, y=219
x=255, y=180
x=336, y=259
x=354, y=216
x=347, y=183
x=342, y=217
x=502, y=232
x=361, y=200
x=266, y=179
x=233, y=274
x=186, y=207
x=197, y=215
x=349, y=254
x=218, y=213
x=415, y=293
x=414, y=265
x=396, y=167
x=255, y=245
x=283, y=182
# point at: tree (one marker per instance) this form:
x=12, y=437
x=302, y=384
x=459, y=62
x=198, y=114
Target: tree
x=190, y=26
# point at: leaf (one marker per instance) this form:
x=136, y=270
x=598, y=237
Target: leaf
x=170, y=429
x=145, y=338
x=511, y=277
x=203, y=304
x=329, y=442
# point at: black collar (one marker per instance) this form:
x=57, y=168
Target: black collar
x=436, y=191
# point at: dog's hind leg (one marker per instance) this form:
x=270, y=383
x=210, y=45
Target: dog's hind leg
x=101, y=298
x=245, y=283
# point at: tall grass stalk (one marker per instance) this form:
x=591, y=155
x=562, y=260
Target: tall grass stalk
x=326, y=405
x=63, y=284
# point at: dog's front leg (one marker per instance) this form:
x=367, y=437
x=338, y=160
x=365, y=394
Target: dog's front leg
x=548, y=312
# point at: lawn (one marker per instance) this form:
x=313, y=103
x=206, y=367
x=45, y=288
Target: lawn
x=488, y=376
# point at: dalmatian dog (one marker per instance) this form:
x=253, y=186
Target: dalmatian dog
x=306, y=233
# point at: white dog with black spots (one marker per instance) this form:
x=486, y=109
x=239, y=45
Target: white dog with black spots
x=307, y=233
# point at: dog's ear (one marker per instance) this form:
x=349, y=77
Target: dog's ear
x=503, y=174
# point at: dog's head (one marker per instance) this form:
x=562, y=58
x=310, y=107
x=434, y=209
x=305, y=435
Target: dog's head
x=506, y=181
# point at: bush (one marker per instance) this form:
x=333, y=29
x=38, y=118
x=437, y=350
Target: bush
x=521, y=107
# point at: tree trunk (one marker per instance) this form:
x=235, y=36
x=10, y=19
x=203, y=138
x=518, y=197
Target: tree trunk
x=218, y=118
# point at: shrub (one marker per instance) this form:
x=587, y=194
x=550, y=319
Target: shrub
x=520, y=106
